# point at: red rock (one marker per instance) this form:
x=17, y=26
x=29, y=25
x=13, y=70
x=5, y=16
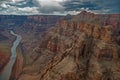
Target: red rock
x=3, y=61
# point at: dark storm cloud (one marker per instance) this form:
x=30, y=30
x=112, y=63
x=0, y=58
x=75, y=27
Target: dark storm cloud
x=99, y=6
x=78, y=5
x=59, y=7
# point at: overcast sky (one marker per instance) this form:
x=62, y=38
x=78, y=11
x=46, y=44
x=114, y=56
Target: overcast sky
x=58, y=7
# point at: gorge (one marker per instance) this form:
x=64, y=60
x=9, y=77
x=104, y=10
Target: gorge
x=5, y=75
x=85, y=46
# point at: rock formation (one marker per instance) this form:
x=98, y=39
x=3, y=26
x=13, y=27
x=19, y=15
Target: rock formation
x=30, y=28
x=81, y=47
x=3, y=60
x=85, y=47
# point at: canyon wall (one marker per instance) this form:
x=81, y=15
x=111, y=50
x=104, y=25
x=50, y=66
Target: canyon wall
x=85, y=47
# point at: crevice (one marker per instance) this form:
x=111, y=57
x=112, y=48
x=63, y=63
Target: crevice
x=89, y=58
x=55, y=62
x=83, y=50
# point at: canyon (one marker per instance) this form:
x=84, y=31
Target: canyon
x=85, y=46
x=5, y=75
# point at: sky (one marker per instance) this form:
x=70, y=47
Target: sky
x=58, y=7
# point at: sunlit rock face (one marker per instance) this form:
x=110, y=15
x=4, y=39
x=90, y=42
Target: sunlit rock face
x=84, y=47
x=81, y=47
x=30, y=28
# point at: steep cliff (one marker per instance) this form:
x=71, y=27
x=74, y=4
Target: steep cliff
x=85, y=47
x=4, y=55
x=18, y=65
x=30, y=28
x=31, y=31
x=3, y=61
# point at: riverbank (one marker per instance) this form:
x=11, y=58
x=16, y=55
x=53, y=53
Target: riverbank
x=5, y=51
x=4, y=59
x=18, y=65
x=5, y=75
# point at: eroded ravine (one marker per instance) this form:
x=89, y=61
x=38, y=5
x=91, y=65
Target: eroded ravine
x=5, y=75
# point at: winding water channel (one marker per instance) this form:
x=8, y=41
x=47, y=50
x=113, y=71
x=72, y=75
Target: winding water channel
x=5, y=75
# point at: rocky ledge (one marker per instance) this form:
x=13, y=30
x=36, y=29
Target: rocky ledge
x=85, y=47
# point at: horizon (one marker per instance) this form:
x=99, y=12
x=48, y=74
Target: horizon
x=59, y=15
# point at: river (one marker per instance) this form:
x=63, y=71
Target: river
x=5, y=75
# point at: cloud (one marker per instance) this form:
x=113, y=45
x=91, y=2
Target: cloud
x=20, y=11
x=49, y=6
x=4, y=5
x=62, y=13
x=97, y=6
x=57, y=7
x=17, y=1
x=29, y=9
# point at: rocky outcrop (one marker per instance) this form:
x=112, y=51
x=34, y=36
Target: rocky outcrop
x=82, y=48
x=18, y=65
x=29, y=27
x=34, y=26
x=2, y=37
x=3, y=61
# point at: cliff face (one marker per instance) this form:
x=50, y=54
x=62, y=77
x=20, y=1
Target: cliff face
x=31, y=31
x=18, y=65
x=30, y=28
x=3, y=61
x=85, y=47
